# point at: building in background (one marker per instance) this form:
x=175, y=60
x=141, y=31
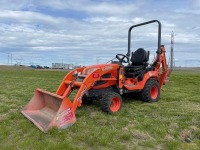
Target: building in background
x=62, y=66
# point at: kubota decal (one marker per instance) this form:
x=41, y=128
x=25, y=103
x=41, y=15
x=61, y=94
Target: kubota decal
x=65, y=117
x=130, y=84
x=150, y=74
x=82, y=93
x=107, y=68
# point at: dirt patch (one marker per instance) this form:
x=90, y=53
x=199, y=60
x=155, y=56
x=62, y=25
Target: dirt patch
x=141, y=135
x=187, y=134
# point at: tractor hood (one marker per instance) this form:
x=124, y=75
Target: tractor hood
x=105, y=67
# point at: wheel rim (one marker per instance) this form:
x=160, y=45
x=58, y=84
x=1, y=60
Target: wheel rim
x=115, y=104
x=154, y=92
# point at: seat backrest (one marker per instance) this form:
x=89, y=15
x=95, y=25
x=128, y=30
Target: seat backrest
x=139, y=57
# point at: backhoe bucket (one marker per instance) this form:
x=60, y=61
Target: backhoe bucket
x=48, y=110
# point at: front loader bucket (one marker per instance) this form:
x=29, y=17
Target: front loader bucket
x=48, y=110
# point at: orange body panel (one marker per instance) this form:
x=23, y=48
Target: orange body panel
x=133, y=84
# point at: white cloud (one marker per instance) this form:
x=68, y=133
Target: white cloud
x=112, y=8
x=106, y=19
x=14, y=5
x=98, y=29
x=28, y=17
x=195, y=3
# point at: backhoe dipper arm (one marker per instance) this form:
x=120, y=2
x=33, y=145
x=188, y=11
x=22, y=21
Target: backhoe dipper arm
x=163, y=62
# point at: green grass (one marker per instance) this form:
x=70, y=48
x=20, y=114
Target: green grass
x=161, y=125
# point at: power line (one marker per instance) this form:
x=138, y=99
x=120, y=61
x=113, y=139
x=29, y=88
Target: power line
x=9, y=57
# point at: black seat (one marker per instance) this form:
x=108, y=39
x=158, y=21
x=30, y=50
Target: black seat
x=138, y=64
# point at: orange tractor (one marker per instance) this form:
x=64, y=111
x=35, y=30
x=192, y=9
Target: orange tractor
x=104, y=82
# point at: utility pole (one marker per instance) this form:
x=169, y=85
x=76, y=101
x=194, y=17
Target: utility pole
x=172, y=50
x=8, y=58
x=11, y=58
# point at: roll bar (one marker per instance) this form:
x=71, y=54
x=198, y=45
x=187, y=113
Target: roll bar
x=159, y=37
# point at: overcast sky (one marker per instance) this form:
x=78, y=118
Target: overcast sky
x=42, y=32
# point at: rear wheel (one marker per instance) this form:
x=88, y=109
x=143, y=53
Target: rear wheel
x=111, y=102
x=151, y=91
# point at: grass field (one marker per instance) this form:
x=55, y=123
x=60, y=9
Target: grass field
x=162, y=125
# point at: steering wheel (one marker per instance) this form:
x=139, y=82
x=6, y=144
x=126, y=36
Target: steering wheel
x=121, y=58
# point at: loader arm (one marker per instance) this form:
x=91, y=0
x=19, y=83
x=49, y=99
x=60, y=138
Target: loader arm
x=71, y=76
x=84, y=86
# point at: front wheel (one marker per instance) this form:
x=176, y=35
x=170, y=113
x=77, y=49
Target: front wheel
x=111, y=102
x=151, y=91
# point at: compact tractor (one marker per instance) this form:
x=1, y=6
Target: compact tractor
x=104, y=82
